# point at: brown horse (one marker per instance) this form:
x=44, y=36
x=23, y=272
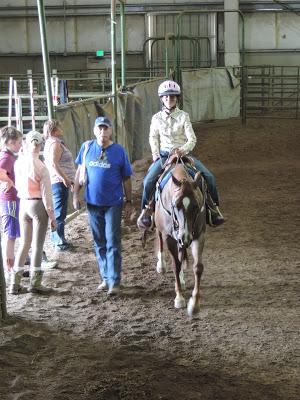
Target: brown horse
x=180, y=220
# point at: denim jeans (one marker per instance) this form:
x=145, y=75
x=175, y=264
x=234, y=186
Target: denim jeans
x=156, y=169
x=105, y=223
x=60, y=195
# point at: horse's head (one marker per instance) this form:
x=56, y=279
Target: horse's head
x=187, y=210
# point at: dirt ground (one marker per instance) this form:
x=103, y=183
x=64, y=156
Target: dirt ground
x=79, y=344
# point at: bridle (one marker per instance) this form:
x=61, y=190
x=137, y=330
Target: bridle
x=176, y=226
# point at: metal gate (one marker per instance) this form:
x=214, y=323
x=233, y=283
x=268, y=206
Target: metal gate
x=271, y=92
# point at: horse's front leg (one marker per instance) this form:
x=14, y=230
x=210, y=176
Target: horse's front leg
x=161, y=265
x=194, y=302
x=179, y=301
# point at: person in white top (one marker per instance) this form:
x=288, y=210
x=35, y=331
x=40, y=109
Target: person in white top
x=171, y=132
x=32, y=182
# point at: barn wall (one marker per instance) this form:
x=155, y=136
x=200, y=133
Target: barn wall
x=74, y=33
x=272, y=38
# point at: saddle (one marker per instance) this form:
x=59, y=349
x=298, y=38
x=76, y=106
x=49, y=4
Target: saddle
x=168, y=166
x=211, y=208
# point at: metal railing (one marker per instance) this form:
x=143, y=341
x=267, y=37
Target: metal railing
x=272, y=91
x=80, y=85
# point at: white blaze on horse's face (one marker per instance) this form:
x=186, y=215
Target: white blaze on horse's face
x=184, y=236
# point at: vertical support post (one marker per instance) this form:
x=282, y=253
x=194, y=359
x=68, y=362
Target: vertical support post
x=123, y=45
x=232, y=51
x=46, y=62
x=18, y=109
x=113, y=65
x=32, y=104
x=10, y=94
x=166, y=55
x=177, y=47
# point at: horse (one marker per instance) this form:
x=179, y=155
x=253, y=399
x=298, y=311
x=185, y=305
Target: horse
x=180, y=221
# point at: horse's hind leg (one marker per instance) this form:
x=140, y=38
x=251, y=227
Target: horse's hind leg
x=194, y=302
x=161, y=266
x=179, y=301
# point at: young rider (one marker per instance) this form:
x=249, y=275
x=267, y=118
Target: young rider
x=171, y=131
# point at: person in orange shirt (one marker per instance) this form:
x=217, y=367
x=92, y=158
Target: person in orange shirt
x=33, y=185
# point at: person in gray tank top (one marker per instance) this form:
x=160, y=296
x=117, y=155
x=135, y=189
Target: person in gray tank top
x=60, y=163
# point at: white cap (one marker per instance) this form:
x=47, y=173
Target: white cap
x=34, y=135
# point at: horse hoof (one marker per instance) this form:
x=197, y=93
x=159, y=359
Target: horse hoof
x=180, y=303
x=192, y=308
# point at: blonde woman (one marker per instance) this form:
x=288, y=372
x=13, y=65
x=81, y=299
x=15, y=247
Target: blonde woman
x=33, y=186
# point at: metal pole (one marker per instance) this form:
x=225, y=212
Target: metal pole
x=11, y=83
x=46, y=62
x=166, y=55
x=113, y=64
x=32, y=104
x=123, y=45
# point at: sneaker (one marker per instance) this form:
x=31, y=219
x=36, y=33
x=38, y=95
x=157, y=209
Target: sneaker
x=102, y=286
x=113, y=290
x=144, y=221
x=48, y=265
x=17, y=289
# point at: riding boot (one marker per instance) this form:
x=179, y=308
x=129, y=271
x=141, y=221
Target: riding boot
x=145, y=220
x=36, y=276
x=214, y=216
x=15, y=281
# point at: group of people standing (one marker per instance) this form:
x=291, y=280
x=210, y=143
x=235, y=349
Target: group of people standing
x=33, y=192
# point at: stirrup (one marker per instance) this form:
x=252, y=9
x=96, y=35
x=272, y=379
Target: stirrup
x=214, y=217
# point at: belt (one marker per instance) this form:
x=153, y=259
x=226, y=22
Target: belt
x=34, y=198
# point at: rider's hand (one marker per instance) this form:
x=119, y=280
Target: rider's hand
x=155, y=156
x=178, y=152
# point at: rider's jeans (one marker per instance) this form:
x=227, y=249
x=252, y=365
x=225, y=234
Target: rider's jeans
x=150, y=180
x=210, y=180
x=105, y=223
x=156, y=169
